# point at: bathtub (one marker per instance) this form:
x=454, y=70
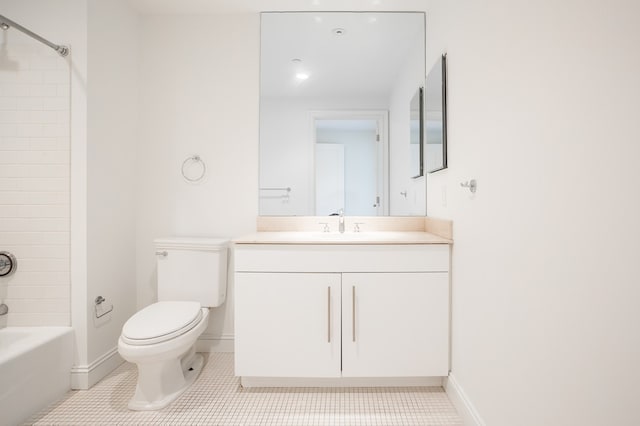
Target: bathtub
x=35, y=369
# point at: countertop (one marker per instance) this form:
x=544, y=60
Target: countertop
x=335, y=238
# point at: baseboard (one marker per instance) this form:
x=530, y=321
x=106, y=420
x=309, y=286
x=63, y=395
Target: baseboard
x=338, y=382
x=212, y=343
x=85, y=376
x=460, y=400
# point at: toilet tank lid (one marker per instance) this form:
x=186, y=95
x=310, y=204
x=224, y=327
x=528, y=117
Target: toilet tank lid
x=191, y=243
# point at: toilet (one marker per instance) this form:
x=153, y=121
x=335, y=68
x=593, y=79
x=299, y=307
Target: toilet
x=160, y=339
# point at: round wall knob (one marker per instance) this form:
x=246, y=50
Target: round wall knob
x=8, y=264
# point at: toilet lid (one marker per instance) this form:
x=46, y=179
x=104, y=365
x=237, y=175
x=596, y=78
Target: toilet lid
x=161, y=321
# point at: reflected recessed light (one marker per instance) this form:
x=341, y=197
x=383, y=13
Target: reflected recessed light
x=373, y=19
x=318, y=19
x=302, y=76
x=338, y=31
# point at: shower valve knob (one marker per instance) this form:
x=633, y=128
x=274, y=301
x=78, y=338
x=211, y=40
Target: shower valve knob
x=8, y=264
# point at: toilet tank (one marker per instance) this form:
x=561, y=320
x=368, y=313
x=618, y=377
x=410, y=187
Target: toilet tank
x=193, y=269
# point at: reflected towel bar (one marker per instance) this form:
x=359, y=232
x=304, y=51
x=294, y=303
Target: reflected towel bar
x=288, y=189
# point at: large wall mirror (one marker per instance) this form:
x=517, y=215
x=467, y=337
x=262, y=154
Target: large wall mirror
x=336, y=93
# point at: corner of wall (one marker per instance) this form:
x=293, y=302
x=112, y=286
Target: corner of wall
x=462, y=403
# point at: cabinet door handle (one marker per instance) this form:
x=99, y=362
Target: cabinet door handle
x=329, y=314
x=353, y=313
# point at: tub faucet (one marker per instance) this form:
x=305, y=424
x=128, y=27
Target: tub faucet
x=341, y=221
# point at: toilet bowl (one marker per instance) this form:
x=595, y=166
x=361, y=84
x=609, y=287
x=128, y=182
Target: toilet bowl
x=165, y=353
x=160, y=339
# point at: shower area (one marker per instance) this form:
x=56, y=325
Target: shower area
x=36, y=341
x=34, y=178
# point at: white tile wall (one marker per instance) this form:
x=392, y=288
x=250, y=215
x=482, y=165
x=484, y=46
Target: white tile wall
x=34, y=183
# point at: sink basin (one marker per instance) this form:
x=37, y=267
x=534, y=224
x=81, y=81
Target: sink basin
x=350, y=236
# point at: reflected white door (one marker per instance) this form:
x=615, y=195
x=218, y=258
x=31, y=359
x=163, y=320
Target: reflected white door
x=329, y=178
x=349, y=165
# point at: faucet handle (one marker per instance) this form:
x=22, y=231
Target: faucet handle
x=356, y=226
x=325, y=228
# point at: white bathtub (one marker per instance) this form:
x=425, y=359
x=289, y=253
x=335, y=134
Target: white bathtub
x=35, y=369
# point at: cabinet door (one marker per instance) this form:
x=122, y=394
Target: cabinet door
x=395, y=324
x=287, y=324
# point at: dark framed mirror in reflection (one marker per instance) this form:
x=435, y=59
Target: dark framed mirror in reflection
x=416, y=135
x=436, y=116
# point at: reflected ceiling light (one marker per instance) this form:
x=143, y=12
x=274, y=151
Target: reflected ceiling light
x=318, y=19
x=302, y=76
x=373, y=19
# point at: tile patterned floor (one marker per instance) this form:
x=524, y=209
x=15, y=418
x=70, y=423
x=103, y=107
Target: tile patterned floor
x=217, y=399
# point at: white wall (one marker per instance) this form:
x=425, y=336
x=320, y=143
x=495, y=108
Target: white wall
x=199, y=95
x=102, y=64
x=546, y=325
x=112, y=166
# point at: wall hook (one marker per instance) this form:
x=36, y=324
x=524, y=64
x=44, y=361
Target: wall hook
x=471, y=184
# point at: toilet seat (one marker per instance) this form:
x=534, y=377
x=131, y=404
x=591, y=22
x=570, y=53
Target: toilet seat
x=160, y=322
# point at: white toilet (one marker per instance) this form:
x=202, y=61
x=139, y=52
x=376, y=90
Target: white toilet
x=160, y=339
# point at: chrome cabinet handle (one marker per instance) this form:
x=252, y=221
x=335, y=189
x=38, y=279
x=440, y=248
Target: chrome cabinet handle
x=162, y=253
x=329, y=314
x=353, y=313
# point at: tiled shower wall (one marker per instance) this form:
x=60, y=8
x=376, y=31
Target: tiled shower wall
x=34, y=182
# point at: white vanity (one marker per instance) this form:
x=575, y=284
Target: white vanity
x=341, y=309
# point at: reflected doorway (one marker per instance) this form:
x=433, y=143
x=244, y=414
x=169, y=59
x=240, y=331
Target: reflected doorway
x=349, y=164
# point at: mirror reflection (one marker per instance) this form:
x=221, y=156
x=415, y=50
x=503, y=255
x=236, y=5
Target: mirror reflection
x=436, y=117
x=416, y=130
x=335, y=103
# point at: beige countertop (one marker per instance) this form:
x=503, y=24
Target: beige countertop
x=375, y=237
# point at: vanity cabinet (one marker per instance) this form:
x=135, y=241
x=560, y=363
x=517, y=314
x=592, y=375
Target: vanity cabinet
x=287, y=324
x=340, y=311
x=395, y=324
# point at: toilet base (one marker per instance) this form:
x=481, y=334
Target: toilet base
x=161, y=383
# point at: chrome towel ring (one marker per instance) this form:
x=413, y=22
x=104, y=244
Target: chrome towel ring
x=194, y=160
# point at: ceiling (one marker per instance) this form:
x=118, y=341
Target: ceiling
x=254, y=6
x=363, y=62
x=381, y=50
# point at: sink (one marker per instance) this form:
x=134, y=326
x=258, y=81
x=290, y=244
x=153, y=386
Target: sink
x=350, y=236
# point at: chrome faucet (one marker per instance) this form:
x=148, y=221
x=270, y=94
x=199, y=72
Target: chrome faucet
x=341, y=221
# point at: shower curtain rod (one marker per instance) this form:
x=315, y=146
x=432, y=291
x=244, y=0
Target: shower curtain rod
x=6, y=23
